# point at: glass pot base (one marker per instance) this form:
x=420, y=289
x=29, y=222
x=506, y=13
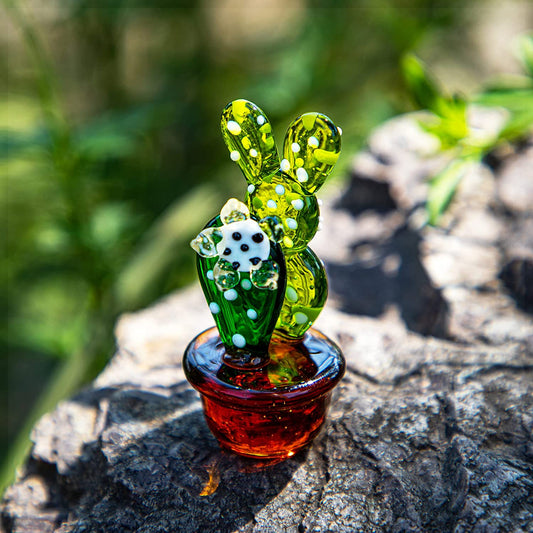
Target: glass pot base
x=272, y=411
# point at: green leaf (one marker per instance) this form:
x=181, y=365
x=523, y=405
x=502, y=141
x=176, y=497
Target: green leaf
x=51, y=238
x=108, y=224
x=519, y=103
x=451, y=127
x=442, y=188
x=449, y=123
x=423, y=87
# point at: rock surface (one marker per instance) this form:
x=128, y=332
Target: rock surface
x=431, y=428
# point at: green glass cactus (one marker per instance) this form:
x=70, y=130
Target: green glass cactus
x=266, y=387
x=283, y=192
x=256, y=269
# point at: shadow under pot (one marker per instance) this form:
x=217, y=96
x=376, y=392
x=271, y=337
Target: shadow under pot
x=270, y=412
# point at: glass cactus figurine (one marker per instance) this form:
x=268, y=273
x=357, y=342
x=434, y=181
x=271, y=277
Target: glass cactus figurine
x=264, y=376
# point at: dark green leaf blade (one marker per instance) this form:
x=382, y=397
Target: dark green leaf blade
x=423, y=87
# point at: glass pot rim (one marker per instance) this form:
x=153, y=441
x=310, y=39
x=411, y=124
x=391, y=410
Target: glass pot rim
x=206, y=382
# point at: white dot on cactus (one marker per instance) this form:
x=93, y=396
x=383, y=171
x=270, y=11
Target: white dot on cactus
x=253, y=152
x=301, y=174
x=340, y=130
x=313, y=142
x=214, y=307
x=285, y=165
x=271, y=204
x=210, y=275
x=319, y=201
x=280, y=189
x=238, y=340
x=291, y=294
x=246, y=284
x=298, y=204
x=261, y=120
x=233, y=127
x=295, y=147
x=251, y=188
x=291, y=223
x=252, y=314
x=300, y=318
x=230, y=295
x=235, y=156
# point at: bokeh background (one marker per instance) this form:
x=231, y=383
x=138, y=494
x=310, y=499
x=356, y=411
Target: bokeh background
x=111, y=154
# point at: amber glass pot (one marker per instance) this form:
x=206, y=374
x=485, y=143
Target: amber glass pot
x=267, y=412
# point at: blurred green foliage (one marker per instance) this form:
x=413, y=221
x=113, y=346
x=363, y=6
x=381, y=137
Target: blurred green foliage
x=111, y=156
x=448, y=120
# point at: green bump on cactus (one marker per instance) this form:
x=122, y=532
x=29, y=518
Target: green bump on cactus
x=305, y=295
